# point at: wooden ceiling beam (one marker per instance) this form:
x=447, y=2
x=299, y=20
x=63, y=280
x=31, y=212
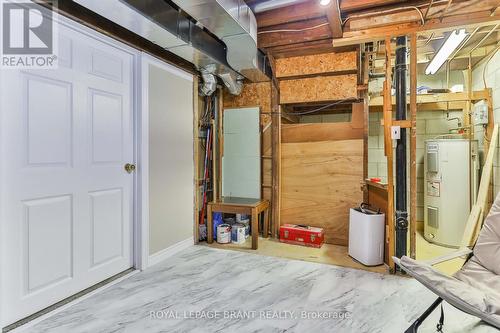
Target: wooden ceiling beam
x=281, y=38
x=334, y=18
x=352, y=37
x=302, y=11
x=355, y=5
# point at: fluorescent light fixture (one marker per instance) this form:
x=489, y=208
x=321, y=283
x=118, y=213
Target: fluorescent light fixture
x=454, y=39
x=324, y=2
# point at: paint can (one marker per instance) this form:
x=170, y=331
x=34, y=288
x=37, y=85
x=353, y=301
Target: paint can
x=246, y=224
x=238, y=233
x=224, y=234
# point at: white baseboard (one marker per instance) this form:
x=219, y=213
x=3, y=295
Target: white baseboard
x=159, y=256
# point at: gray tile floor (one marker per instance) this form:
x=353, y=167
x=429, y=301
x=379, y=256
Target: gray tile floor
x=209, y=290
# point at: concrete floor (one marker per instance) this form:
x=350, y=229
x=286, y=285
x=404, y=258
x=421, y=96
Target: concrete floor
x=203, y=289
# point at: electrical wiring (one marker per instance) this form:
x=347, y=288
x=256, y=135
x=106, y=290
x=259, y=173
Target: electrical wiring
x=486, y=64
x=422, y=20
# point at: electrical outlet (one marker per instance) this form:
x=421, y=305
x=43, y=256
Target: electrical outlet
x=395, y=132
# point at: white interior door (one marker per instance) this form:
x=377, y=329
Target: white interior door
x=67, y=201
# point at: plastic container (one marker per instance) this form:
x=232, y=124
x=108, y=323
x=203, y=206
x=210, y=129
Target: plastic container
x=238, y=233
x=366, y=236
x=246, y=223
x=217, y=220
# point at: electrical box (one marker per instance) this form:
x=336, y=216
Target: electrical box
x=395, y=132
x=480, y=113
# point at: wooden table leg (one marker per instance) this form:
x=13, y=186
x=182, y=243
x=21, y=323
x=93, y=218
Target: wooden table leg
x=265, y=232
x=210, y=228
x=255, y=229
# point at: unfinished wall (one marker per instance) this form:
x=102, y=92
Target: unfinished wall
x=320, y=182
x=258, y=94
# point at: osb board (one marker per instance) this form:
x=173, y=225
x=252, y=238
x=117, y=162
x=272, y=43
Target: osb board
x=316, y=64
x=319, y=89
x=253, y=94
x=320, y=182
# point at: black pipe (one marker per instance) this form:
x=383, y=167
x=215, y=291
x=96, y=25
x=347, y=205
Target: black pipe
x=401, y=162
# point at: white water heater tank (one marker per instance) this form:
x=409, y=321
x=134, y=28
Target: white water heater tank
x=447, y=191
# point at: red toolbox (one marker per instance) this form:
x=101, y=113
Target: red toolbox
x=302, y=235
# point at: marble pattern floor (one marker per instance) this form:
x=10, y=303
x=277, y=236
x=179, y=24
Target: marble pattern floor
x=205, y=282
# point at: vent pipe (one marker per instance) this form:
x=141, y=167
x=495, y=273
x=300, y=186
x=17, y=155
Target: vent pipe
x=401, y=161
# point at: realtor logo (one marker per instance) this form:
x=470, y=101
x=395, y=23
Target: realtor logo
x=28, y=35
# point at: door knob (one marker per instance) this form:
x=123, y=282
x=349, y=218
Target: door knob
x=129, y=167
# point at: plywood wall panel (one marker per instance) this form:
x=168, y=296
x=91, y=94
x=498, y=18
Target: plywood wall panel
x=320, y=182
x=319, y=89
x=316, y=64
x=253, y=94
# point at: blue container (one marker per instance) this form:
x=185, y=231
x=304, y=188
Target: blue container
x=217, y=220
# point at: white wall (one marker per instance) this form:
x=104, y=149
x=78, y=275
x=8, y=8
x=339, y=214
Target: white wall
x=171, y=166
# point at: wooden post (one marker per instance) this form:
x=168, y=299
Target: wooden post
x=220, y=144
x=196, y=161
x=366, y=120
x=389, y=152
x=276, y=151
x=413, y=145
x=276, y=159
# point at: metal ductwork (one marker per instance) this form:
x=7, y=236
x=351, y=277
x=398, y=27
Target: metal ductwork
x=166, y=26
x=233, y=22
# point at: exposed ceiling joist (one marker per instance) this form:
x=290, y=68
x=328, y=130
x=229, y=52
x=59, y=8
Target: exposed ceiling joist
x=334, y=18
x=379, y=33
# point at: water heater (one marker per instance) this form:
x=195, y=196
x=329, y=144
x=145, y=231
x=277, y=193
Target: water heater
x=448, y=184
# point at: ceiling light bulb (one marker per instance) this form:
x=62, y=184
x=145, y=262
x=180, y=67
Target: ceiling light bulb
x=324, y=2
x=454, y=40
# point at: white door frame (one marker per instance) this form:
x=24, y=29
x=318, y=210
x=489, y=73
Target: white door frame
x=142, y=227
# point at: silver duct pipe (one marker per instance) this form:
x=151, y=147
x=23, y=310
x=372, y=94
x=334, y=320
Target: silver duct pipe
x=209, y=81
x=165, y=26
x=234, y=23
x=232, y=84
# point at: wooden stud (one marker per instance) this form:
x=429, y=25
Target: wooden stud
x=196, y=157
x=255, y=229
x=334, y=18
x=413, y=145
x=276, y=150
x=438, y=98
x=276, y=161
x=389, y=154
x=220, y=142
x=366, y=120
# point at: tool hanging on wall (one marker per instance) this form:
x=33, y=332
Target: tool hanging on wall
x=206, y=125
